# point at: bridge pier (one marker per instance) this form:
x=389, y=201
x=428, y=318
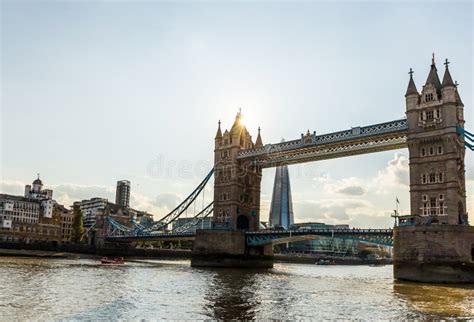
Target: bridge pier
x=434, y=254
x=220, y=248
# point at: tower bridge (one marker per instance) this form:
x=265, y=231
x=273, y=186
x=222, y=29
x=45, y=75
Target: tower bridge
x=434, y=243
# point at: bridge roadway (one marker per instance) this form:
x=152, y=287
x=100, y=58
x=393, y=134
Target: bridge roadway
x=263, y=237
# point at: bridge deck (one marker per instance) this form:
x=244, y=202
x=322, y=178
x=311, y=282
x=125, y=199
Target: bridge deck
x=263, y=236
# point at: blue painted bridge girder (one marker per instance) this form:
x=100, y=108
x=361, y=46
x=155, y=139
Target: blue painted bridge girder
x=372, y=236
x=263, y=237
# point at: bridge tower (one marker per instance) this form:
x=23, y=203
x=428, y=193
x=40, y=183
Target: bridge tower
x=435, y=242
x=236, y=205
x=437, y=183
x=236, y=183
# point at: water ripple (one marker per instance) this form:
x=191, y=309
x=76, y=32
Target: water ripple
x=46, y=289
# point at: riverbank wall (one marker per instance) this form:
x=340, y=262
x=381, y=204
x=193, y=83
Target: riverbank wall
x=285, y=258
x=29, y=249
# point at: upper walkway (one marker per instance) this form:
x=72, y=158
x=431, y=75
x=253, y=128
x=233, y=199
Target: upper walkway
x=311, y=147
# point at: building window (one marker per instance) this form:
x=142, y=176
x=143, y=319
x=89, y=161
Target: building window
x=423, y=152
x=440, y=177
x=438, y=114
x=423, y=178
x=432, y=206
x=440, y=150
x=432, y=178
x=441, y=207
x=431, y=151
x=227, y=215
x=441, y=197
x=428, y=97
x=429, y=115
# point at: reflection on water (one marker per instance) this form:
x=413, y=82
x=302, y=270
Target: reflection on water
x=231, y=294
x=83, y=290
x=437, y=300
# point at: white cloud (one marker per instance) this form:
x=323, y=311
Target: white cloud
x=341, y=211
x=350, y=187
x=395, y=175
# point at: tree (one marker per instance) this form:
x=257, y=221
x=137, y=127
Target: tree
x=77, y=227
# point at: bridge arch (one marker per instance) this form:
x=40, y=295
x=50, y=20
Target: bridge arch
x=243, y=222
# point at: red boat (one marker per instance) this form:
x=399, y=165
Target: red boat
x=115, y=261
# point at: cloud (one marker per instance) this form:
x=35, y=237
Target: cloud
x=334, y=211
x=395, y=175
x=350, y=187
x=168, y=200
x=12, y=187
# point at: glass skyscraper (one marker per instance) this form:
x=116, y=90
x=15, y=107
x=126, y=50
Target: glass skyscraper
x=281, y=209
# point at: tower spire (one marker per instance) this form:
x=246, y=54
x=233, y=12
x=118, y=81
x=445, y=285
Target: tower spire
x=411, y=89
x=458, y=98
x=447, y=79
x=219, y=132
x=258, y=142
x=433, y=77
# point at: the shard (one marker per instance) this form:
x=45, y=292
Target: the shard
x=281, y=209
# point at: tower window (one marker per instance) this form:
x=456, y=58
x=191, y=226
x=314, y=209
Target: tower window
x=432, y=178
x=423, y=178
x=428, y=97
x=429, y=116
x=433, y=205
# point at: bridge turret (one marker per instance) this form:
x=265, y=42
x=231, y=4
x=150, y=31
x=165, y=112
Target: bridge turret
x=412, y=96
x=449, y=89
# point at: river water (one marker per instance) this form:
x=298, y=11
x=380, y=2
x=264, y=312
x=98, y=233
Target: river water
x=45, y=289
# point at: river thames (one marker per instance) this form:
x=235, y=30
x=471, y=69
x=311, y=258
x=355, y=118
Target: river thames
x=45, y=289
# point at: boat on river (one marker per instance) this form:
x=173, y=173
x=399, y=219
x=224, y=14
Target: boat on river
x=325, y=262
x=115, y=261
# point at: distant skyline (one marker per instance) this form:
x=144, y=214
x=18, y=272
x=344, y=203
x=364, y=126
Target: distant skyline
x=96, y=92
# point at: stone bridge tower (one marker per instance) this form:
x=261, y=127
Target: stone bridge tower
x=437, y=183
x=236, y=183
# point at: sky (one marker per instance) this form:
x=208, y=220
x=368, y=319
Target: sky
x=93, y=92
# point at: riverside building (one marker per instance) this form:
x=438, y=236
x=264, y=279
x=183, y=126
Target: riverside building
x=33, y=217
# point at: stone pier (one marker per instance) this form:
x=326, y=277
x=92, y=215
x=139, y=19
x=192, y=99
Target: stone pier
x=434, y=254
x=215, y=248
